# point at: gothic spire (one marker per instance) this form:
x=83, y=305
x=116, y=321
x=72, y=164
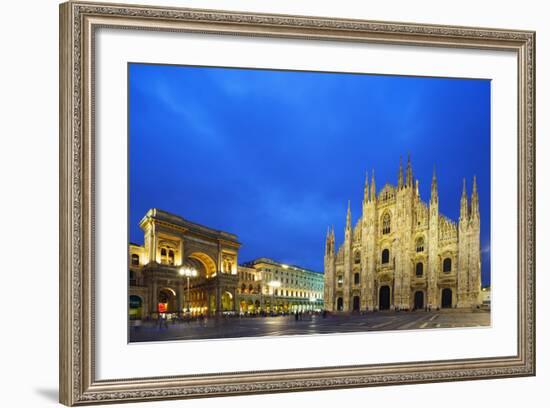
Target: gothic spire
x=366, y=190
x=327, y=241
x=409, y=172
x=464, y=202
x=400, y=174
x=475, y=199
x=372, y=188
x=348, y=217
x=434, y=196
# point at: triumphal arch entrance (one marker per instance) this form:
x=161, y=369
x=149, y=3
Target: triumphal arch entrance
x=183, y=267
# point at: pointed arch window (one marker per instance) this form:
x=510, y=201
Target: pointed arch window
x=419, y=269
x=385, y=256
x=386, y=221
x=420, y=245
x=447, y=265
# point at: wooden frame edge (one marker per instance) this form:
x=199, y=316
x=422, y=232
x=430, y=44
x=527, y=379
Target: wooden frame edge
x=76, y=367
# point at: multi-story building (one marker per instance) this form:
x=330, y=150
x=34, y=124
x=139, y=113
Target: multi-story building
x=182, y=266
x=268, y=285
x=186, y=267
x=402, y=253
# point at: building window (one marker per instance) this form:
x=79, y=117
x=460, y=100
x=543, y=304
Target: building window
x=357, y=257
x=447, y=265
x=419, y=269
x=171, y=257
x=420, y=245
x=163, y=254
x=356, y=278
x=340, y=281
x=386, y=224
x=133, y=280
x=135, y=260
x=385, y=256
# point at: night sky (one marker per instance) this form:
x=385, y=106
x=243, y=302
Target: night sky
x=274, y=156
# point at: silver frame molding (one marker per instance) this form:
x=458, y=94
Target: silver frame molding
x=78, y=22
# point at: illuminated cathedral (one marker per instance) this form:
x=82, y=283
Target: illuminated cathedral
x=403, y=253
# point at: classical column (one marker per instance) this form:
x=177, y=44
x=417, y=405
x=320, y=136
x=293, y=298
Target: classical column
x=154, y=297
x=218, y=300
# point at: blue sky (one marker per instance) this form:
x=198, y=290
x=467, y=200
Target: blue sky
x=274, y=156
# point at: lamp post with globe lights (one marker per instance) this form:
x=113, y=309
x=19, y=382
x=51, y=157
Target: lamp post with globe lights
x=188, y=272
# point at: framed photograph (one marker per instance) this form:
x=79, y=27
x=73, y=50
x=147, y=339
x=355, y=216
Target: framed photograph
x=283, y=203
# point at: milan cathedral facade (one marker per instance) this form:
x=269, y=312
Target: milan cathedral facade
x=403, y=254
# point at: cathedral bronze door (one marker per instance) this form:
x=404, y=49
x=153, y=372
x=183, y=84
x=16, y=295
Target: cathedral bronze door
x=419, y=300
x=356, y=301
x=384, y=301
x=446, y=298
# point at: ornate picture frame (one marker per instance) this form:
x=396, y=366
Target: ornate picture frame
x=78, y=24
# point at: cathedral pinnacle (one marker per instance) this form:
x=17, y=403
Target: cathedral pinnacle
x=475, y=199
x=409, y=172
x=464, y=202
x=372, y=188
x=400, y=174
x=366, y=191
x=348, y=217
x=434, y=196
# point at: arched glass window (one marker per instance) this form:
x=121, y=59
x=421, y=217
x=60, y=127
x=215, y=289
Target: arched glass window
x=135, y=260
x=419, y=269
x=386, y=224
x=420, y=245
x=385, y=256
x=163, y=256
x=356, y=278
x=447, y=265
x=357, y=257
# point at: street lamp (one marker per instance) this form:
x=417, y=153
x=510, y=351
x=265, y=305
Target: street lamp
x=272, y=285
x=188, y=272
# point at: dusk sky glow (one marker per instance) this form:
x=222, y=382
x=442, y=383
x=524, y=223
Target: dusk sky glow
x=274, y=156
